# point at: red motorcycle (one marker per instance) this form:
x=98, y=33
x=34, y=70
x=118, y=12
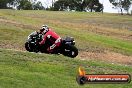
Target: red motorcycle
x=66, y=48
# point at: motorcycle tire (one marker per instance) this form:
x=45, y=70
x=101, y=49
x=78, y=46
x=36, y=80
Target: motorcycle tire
x=27, y=47
x=73, y=51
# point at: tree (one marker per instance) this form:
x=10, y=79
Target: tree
x=60, y=5
x=126, y=5
x=3, y=3
x=38, y=6
x=78, y=5
x=25, y=5
x=121, y=4
x=93, y=5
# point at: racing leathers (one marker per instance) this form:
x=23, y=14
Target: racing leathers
x=53, y=38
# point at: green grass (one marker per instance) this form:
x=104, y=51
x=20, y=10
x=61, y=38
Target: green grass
x=30, y=70
x=12, y=37
x=82, y=26
x=92, y=32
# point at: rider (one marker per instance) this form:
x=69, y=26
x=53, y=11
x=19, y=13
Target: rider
x=52, y=37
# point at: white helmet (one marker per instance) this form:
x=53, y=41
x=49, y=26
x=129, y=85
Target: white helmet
x=44, y=29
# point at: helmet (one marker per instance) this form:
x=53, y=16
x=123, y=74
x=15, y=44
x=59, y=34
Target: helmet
x=44, y=29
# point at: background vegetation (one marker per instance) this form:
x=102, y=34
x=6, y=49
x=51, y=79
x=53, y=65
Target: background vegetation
x=66, y=5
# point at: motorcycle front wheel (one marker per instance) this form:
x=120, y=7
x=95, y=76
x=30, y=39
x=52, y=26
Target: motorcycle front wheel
x=27, y=47
x=31, y=48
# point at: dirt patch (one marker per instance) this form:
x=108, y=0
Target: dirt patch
x=9, y=45
x=107, y=56
x=17, y=24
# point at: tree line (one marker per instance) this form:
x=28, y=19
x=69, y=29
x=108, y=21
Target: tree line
x=91, y=5
x=62, y=5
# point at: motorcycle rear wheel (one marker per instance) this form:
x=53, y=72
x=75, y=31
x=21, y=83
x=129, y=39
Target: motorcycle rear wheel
x=70, y=51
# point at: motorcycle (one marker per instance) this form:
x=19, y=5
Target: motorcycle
x=67, y=47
